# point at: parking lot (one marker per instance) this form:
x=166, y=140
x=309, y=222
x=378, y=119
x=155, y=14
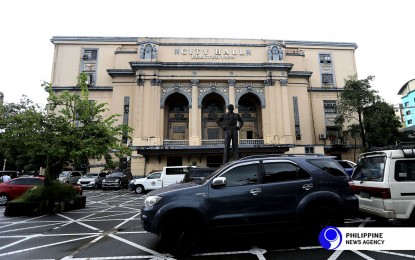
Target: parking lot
x=109, y=228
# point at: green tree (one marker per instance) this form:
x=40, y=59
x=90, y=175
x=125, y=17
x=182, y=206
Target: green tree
x=20, y=123
x=71, y=129
x=381, y=125
x=78, y=130
x=355, y=98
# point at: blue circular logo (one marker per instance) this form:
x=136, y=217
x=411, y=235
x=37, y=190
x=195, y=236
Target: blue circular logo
x=330, y=237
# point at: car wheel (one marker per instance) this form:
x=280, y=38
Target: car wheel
x=180, y=235
x=139, y=189
x=96, y=186
x=3, y=199
x=324, y=216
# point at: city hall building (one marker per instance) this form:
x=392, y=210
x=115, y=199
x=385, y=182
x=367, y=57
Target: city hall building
x=171, y=91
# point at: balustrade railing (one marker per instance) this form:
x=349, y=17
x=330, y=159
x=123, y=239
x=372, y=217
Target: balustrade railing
x=213, y=142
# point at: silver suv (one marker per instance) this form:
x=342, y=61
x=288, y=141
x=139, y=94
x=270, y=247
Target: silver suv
x=384, y=182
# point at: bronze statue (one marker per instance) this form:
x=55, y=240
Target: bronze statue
x=229, y=123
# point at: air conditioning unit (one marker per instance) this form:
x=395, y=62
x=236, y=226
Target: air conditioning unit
x=322, y=136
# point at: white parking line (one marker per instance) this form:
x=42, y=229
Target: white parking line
x=140, y=247
x=44, y=246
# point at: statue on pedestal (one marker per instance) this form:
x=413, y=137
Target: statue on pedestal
x=229, y=123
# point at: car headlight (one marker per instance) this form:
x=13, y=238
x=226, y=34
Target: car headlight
x=117, y=180
x=104, y=181
x=93, y=181
x=151, y=200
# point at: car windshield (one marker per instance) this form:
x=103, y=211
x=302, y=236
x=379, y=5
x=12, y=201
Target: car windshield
x=370, y=169
x=91, y=175
x=115, y=174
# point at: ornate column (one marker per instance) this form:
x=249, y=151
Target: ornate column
x=231, y=85
x=285, y=108
x=274, y=124
x=195, y=118
x=139, y=112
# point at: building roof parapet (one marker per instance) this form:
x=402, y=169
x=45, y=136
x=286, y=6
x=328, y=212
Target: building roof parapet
x=201, y=41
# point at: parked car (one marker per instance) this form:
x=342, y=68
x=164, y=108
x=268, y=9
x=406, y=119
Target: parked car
x=384, y=182
x=168, y=176
x=12, y=174
x=151, y=182
x=71, y=177
x=254, y=194
x=117, y=180
x=197, y=174
x=347, y=165
x=92, y=180
x=17, y=186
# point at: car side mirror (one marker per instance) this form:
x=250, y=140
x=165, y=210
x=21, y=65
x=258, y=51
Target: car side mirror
x=219, y=182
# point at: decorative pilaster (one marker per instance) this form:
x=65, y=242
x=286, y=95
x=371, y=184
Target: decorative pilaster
x=195, y=118
x=231, y=86
x=285, y=107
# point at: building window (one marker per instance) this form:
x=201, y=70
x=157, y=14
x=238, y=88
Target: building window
x=325, y=58
x=296, y=119
x=326, y=68
x=409, y=122
x=330, y=107
x=125, y=118
x=408, y=112
x=90, y=55
x=178, y=129
x=327, y=78
x=406, y=103
x=89, y=65
x=213, y=133
x=309, y=149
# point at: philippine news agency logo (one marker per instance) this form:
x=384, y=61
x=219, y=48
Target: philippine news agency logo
x=330, y=238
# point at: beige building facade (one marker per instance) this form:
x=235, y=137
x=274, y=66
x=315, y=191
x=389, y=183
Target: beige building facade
x=172, y=90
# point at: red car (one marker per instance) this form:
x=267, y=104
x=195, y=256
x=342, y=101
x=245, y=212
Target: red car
x=17, y=186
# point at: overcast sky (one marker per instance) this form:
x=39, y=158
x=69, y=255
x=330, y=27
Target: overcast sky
x=383, y=30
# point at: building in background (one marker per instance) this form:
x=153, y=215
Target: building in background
x=407, y=93
x=171, y=91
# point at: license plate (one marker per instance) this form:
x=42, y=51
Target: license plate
x=364, y=194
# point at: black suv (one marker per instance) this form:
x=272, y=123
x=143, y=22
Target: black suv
x=253, y=194
x=118, y=179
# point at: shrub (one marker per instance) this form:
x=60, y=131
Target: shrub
x=57, y=191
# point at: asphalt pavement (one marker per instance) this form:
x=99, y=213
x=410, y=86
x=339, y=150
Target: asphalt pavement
x=109, y=228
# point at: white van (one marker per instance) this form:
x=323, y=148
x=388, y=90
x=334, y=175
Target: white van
x=384, y=182
x=169, y=175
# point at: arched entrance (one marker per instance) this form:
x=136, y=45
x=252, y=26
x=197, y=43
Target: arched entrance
x=249, y=107
x=213, y=106
x=176, y=117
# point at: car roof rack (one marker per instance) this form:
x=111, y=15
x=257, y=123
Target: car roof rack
x=407, y=148
x=258, y=156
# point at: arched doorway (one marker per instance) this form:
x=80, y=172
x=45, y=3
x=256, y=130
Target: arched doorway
x=176, y=117
x=213, y=106
x=249, y=107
